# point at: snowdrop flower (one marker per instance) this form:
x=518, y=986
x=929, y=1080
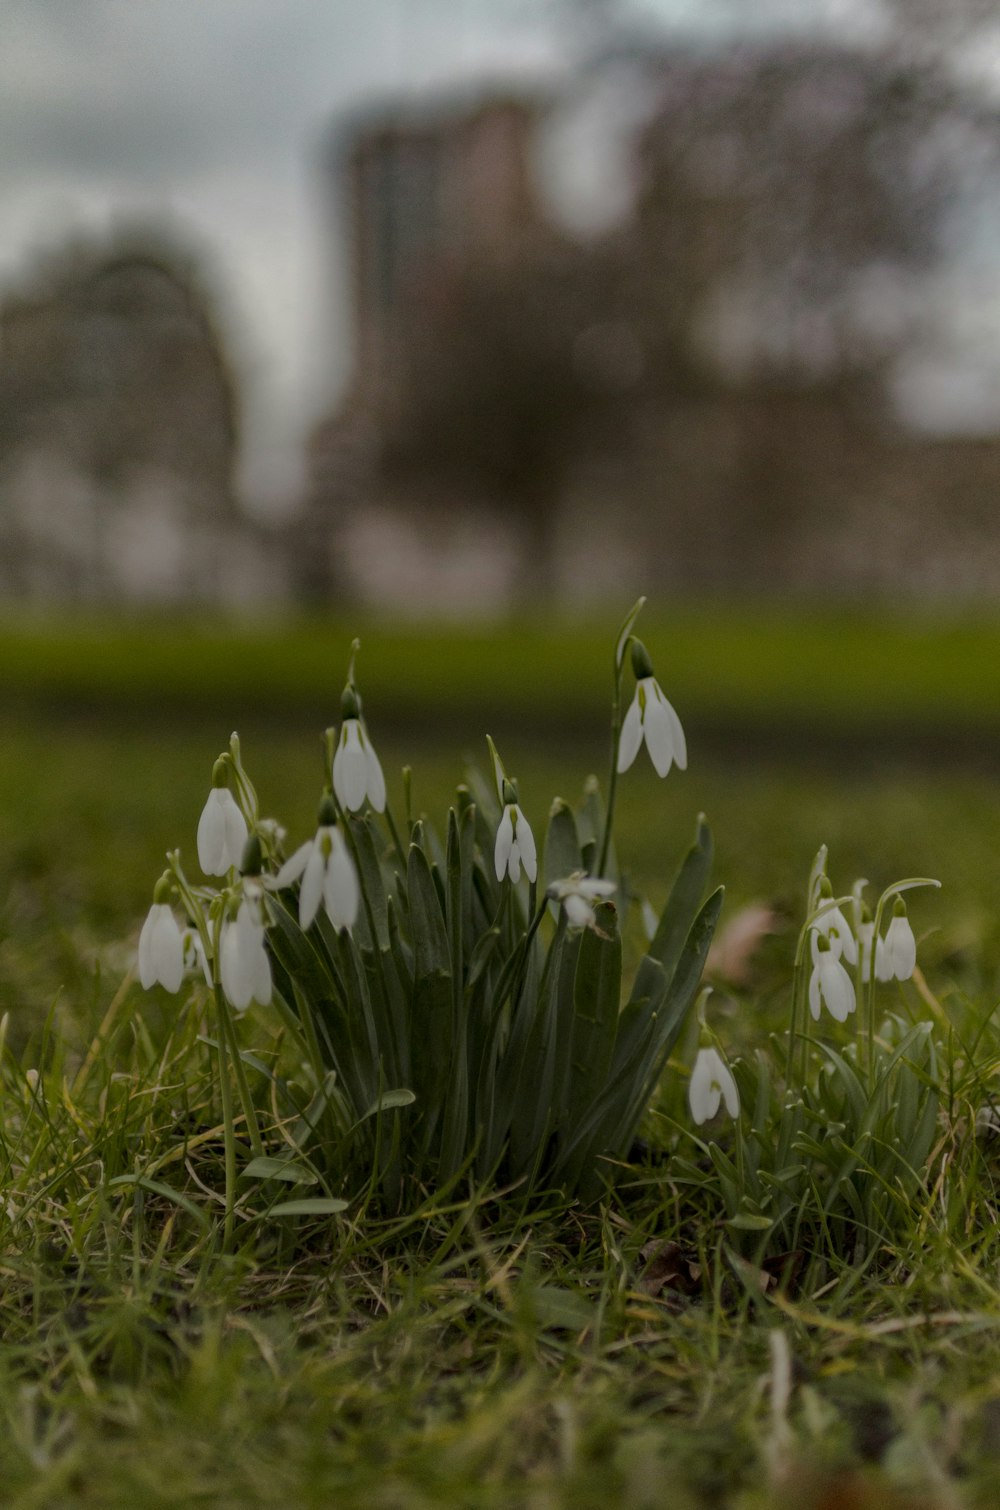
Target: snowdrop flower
x=515, y=844
x=243, y=963
x=829, y=981
x=578, y=893
x=833, y=925
x=357, y=773
x=900, y=956
x=711, y=1083
x=222, y=828
x=651, y=718
x=161, y=950
x=866, y=941
x=328, y=875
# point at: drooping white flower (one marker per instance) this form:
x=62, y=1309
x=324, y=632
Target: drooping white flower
x=328, y=876
x=357, y=773
x=244, y=967
x=833, y=925
x=577, y=893
x=829, y=980
x=900, y=957
x=222, y=833
x=711, y=1083
x=651, y=718
x=161, y=949
x=866, y=938
x=515, y=845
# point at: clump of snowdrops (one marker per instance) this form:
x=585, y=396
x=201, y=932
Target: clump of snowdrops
x=833, y=1128
x=452, y=1002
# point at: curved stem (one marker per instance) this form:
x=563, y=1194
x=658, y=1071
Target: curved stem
x=229, y=1137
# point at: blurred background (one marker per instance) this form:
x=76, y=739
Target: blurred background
x=460, y=323
x=441, y=305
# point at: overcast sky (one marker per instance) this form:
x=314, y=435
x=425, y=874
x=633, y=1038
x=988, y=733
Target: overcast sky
x=208, y=116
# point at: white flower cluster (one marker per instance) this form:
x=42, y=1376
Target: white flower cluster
x=227, y=945
x=832, y=941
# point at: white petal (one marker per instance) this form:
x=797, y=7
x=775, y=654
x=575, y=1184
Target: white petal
x=350, y=769
x=814, y=993
x=236, y=971
x=504, y=844
x=677, y=736
x=514, y=862
x=147, y=974
x=900, y=948
x=578, y=912
x=167, y=950
x=235, y=826
x=700, y=1088
x=594, y=886
x=730, y=1094
x=262, y=977
x=883, y=971
x=631, y=735
x=293, y=866
x=212, y=836
x=659, y=731
x=838, y=992
x=526, y=845
x=374, y=779
x=341, y=894
x=312, y=886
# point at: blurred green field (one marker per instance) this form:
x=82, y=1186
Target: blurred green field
x=757, y=665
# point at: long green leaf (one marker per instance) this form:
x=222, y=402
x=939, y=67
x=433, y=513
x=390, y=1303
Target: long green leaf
x=684, y=900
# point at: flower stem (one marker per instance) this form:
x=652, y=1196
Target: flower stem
x=229, y=1137
x=616, y=731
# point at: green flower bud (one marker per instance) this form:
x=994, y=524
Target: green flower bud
x=509, y=793
x=163, y=890
x=220, y=771
x=350, y=702
x=250, y=865
x=327, y=811
x=642, y=666
x=899, y=908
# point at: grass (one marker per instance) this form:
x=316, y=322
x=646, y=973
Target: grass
x=719, y=663
x=476, y=1353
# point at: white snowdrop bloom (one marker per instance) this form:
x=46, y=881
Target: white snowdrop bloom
x=357, y=773
x=900, y=958
x=711, y=1083
x=243, y=963
x=578, y=893
x=833, y=925
x=328, y=875
x=161, y=950
x=651, y=718
x=515, y=846
x=866, y=937
x=650, y=922
x=829, y=981
x=222, y=833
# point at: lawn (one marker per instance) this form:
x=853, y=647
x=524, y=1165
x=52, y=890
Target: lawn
x=482, y=1351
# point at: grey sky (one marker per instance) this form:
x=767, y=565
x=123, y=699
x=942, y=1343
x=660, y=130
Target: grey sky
x=208, y=115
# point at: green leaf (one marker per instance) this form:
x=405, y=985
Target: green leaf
x=265, y=1168
x=553, y=1307
x=596, y=1000
x=428, y=935
x=319, y=1205
x=562, y=845
x=388, y=1101
x=684, y=900
x=157, y=1187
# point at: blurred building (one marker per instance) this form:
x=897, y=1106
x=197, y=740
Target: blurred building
x=118, y=433
x=655, y=325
